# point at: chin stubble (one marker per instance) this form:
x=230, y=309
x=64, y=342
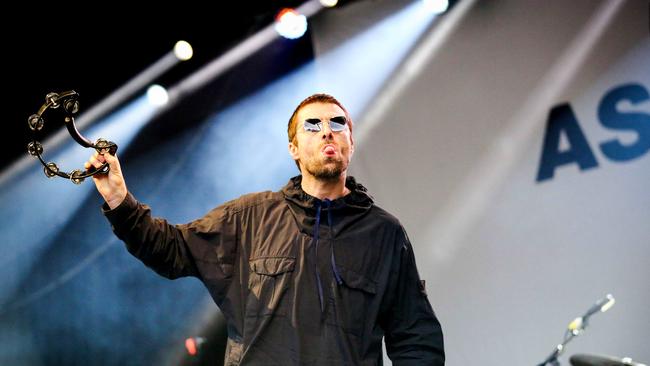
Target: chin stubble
x=326, y=171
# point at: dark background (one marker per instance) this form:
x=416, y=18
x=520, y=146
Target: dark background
x=96, y=48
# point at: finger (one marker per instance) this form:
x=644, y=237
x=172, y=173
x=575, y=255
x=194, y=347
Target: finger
x=113, y=162
x=95, y=162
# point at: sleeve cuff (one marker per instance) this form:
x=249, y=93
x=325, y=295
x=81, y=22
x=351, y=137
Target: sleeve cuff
x=128, y=205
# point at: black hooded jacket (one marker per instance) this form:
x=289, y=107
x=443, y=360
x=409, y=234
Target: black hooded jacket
x=300, y=281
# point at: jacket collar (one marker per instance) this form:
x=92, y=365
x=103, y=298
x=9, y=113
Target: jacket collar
x=345, y=209
x=357, y=198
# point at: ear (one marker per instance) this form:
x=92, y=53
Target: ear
x=351, y=144
x=293, y=150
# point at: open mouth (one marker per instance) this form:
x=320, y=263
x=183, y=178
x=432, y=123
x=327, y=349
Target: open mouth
x=328, y=150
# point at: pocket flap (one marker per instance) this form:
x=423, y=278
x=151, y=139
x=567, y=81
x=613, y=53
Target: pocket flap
x=356, y=280
x=272, y=266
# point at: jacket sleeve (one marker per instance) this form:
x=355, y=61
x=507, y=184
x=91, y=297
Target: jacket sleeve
x=413, y=333
x=204, y=248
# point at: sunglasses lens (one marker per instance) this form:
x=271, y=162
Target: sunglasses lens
x=337, y=124
x=312, y=126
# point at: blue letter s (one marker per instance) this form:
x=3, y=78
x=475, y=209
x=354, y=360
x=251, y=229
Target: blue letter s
x=611, y=118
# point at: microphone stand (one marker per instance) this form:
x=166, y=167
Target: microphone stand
x=576, y=327
x=552, y=358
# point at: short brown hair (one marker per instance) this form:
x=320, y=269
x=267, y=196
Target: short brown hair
x=314, y=98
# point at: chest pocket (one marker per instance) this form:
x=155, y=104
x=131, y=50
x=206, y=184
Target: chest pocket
x=269, y=278
x=357, y=294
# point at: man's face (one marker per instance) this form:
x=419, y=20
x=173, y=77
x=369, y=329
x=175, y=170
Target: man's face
x=324, y=154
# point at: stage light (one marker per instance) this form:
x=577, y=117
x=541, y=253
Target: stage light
x=329, y=3
x=157, y=95
x=436, y=6
x=193, y=344
x=290, y=24
x=183, y=50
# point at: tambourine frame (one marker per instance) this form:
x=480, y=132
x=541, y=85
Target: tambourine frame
x=69, y=101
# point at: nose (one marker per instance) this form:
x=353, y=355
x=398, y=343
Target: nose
x=326, y=131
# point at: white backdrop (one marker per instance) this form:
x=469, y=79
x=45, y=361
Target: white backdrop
x=452, y=145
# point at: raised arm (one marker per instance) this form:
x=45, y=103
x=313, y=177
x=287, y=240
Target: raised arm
x=202, y=248
x=112, y=185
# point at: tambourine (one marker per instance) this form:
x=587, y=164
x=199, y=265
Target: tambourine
x=70, y=102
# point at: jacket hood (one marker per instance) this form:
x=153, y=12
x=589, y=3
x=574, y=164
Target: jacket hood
x=345, y=210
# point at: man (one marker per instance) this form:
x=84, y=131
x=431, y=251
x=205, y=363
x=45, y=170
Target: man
x=314, y=274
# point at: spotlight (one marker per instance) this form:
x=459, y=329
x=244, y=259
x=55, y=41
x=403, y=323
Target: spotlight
x=290, y=24
x=436, y=6
x=183, y=50
x=193, y=344
x=329, y=3
x=157, y=95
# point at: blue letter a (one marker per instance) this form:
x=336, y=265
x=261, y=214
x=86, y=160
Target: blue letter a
x=561, y=119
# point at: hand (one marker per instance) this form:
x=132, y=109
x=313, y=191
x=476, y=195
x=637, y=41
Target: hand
x=112, y=185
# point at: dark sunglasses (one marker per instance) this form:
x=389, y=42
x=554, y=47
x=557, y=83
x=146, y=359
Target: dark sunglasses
x=337, y=124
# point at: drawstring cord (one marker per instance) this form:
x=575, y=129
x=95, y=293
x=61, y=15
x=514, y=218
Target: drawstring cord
x=337, y=275
x=318, y=281
x=335, y=270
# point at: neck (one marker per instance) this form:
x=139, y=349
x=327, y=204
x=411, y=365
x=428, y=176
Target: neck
x=322, y=189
